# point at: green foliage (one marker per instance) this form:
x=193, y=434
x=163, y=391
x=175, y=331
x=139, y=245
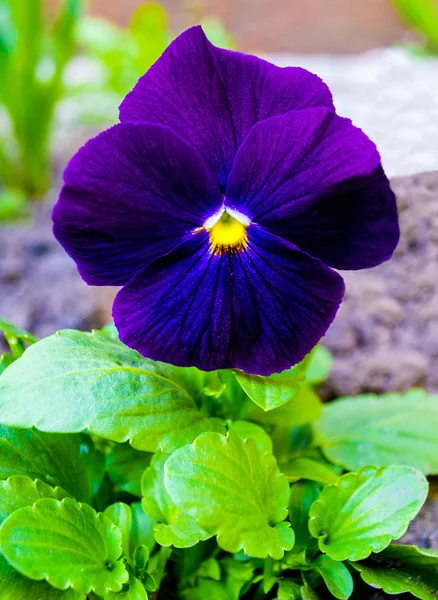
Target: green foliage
x=240, y=494
x=50, y=457
x=302, y=495
x=262, y=512
x=33, y=55
x=85, y=546
x=422, y=16
x=269, y=392
x=364, y=511
x=132, y=399
x=385, y=430
x=125, y=467
x=400, y=569
x=336, y=576
x=174, y=528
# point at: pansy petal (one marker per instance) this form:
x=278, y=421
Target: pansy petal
x=314, y=179
x=131, y=194
x=260, y=310
x=212, y=97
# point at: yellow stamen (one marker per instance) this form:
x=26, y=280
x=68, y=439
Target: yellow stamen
x=227, y=235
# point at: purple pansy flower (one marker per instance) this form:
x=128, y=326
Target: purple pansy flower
x=222, y=202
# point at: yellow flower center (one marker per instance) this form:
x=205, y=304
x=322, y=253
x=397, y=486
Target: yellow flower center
x=227, y=235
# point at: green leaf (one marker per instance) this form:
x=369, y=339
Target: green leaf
x=237, y=576
x=319, y=366
x=133, y=590
x=6, y=359
x=207, y=588
x=304, y=408
x=19, y=491
x=55, y=459
x=14, y=335
x=336, y=576
x=307, y=468
x=84, y=546
x=390, y=429
x=269, y=392
x=142, y=528
x=126, y=466
x=241, y=496
x=99, y=384
x=120, y=514
x=402, y=569
x=15, y=493
x=210, y=569
x=247, y=430
x=173, y=528
x=288, y=590
x=14, y=586
x=302, y=496
x=364, y=511
x=421, y=15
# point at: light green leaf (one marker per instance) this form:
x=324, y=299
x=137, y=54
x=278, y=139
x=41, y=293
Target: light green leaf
x=237, y=576
x=133, y=590
x=304, y=408
x=173, y=528
x=288, y=590
x=14, y=586
x=120, y=514
x=307, y=468
x=126, y=466
x=207, y=588
x=247, y=430
x=6, y=359
x=319, y=366
x=241, y=496
x=308, y=593
x=402, y=569
x=15, y=493
x=19, y=491
x=364, y=511
x=16, y=337
x=99, y=384
x=336, y=576
x=210, y=569
x=142, y=528
x=269, y=392
x=381, y=430
x=84, y=546
x=302, y=496
x=49, y=457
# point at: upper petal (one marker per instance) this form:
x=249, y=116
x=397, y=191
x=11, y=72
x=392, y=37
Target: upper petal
x=260, y=310
x=130, y=195
x=212, y=97
x=314, y=179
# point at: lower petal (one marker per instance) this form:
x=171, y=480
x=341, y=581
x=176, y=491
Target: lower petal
x=260, y=310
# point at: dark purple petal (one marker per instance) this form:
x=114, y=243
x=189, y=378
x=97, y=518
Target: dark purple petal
x=314, y=179
x=131, y=194
x=260, y=310
x=212, y=97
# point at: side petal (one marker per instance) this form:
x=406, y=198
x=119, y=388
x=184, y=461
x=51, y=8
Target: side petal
x=260, y=310
x=212, y=97
x=314, y=179
x=131, y=194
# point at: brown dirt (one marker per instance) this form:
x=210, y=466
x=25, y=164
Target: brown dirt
x=385, y=336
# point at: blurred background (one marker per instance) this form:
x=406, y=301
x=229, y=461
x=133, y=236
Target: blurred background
x=65, y=65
